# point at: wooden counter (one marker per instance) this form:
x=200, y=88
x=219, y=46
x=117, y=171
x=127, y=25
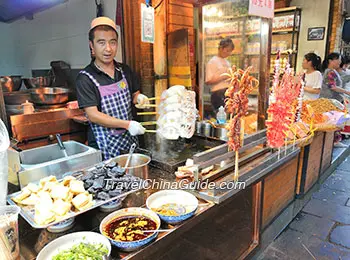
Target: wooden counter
x=310, y=164
x=278, y=191
x=314, y=160
x=327, y=151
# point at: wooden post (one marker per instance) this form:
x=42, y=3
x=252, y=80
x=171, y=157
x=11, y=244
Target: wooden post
x=160, y=59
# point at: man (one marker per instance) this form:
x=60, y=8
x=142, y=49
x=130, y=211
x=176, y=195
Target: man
x=106, y=91
x=216, y=66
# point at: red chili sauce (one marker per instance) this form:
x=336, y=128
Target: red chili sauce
x=129, y=228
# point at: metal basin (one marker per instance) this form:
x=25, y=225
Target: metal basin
x=50, y=160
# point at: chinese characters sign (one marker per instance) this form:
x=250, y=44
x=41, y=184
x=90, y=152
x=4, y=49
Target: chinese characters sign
x=147, y=23
x=262, y=8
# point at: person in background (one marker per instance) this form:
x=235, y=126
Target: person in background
x=107, y=90
x=313, y=77
x=214, y=70
x=344, y=72
x=332, y=86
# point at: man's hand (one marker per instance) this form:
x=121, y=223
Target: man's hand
x=142, y=100
x=135, y=128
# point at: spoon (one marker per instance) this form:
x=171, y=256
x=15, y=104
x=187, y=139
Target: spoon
x=157, y=230
x=131, y=151
x=178, y=208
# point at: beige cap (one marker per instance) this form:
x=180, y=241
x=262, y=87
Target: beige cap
x=103, y=21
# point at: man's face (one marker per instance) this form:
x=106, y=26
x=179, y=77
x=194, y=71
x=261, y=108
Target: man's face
x=104, y=46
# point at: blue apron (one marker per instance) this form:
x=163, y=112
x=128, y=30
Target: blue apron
x=115, y=102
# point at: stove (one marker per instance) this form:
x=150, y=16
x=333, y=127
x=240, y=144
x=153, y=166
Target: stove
x=168, y=155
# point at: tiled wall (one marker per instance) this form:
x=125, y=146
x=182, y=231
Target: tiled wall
x=59, y=33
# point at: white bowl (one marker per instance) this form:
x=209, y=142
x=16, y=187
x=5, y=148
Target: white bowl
x=132, y=211
x=180, y=197
x=68, y=241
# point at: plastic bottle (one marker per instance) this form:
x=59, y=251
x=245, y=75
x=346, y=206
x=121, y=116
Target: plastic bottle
x=221, y=116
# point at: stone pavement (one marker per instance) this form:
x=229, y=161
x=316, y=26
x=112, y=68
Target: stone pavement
x=322, y=229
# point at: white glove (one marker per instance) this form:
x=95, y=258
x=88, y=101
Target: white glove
x=142, y=100
x=135, y=128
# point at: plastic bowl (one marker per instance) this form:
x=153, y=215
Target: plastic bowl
x=134, y=245
x=183, y=198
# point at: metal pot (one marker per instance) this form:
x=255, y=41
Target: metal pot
x=138, y=165
x=221, y=132
x=207, y=129
x=199, y=127
x=49, y=96
x=11, y=83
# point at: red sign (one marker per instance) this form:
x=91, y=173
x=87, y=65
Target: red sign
x=262, y=8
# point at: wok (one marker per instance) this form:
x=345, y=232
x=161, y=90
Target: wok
x=49, y=96
x=17, y=97
x=10, y=83
x=38, y=82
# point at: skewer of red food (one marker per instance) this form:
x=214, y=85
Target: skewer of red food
x=236, y=104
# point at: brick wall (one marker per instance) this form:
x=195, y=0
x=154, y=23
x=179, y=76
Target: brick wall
x=180, y=15
x=139, y=55
x=337, y=22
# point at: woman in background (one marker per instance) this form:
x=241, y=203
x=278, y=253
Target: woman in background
x=214, y=70
x=344, y=72
x=332, y=86
x=313, y=77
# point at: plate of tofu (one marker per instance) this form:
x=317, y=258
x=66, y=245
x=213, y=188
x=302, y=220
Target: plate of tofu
x=51, y=201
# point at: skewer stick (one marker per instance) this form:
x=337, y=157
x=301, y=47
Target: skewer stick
x=235, y=177
x=154, y=98
x=151, y=131
x=149, y=123
x=146, y=105
x=279, y=153
x=285, y=146
x=146, y=113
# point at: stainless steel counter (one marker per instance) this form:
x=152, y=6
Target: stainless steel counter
x=32, y=240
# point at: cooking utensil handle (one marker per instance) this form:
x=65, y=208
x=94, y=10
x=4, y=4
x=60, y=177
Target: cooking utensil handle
x=146, y=113
x=131, y=151
x=151, y=131
x=158, y=230
x=153, y=98
x=149, y=123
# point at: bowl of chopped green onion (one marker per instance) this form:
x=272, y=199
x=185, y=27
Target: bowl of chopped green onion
x=76, y=246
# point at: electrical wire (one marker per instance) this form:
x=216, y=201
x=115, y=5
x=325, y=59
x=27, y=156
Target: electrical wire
x=158, y=4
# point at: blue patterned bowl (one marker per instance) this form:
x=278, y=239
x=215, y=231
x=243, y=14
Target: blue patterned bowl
x=182, y=198
x=130, y=246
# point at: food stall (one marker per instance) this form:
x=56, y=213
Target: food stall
x=250, y=187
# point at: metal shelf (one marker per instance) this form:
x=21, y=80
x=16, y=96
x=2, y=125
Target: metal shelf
x=285, y=31
x=287, y=9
